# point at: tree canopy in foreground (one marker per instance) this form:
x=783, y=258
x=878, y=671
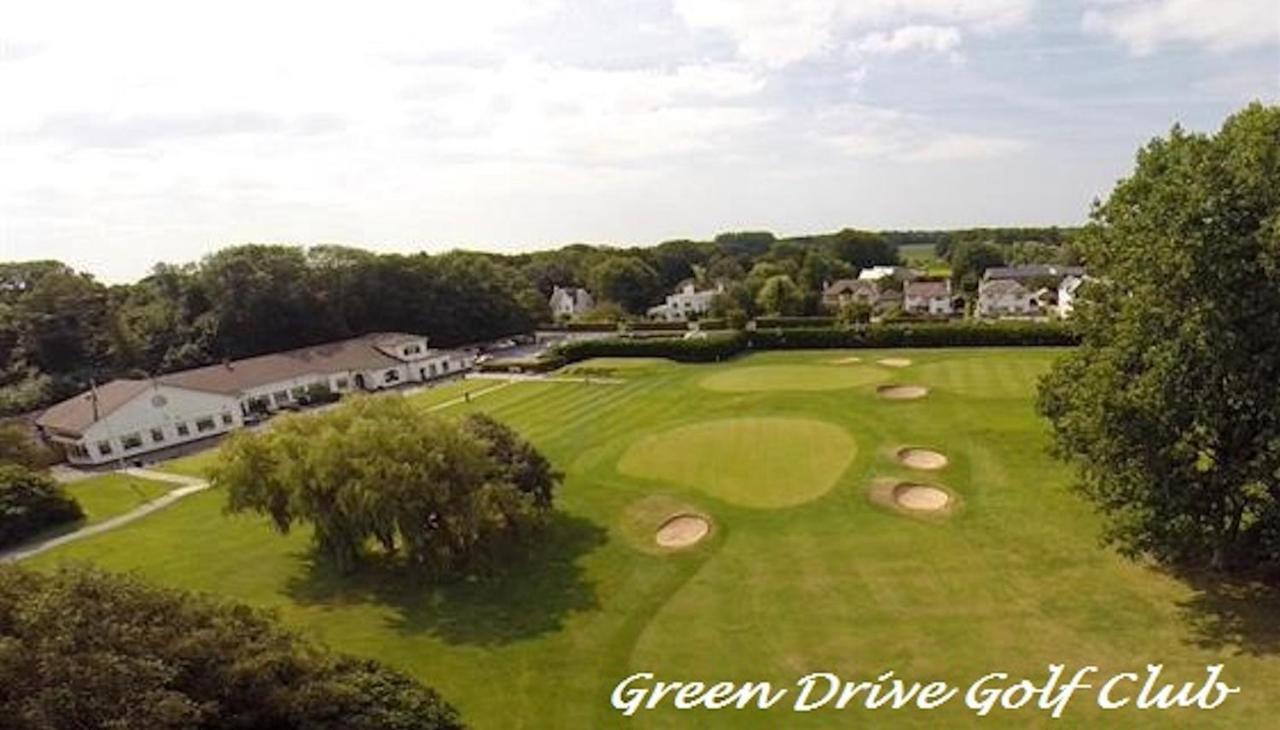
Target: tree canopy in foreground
x=85, y=649
x=378, y=471
x=1170, y=405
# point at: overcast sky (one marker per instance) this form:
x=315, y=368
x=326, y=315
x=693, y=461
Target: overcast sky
x=137, y=132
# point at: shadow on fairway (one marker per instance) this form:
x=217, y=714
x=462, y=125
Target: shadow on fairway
x=533, y=595
x=1232, y=613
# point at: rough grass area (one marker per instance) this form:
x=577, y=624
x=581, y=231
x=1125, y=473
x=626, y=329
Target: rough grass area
x=108, y=495
x=1013, y=582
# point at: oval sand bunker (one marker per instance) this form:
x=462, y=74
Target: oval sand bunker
x=921, y=458
x=895, y=362
x=682, y=531
x=920, y=498
x=902, y=392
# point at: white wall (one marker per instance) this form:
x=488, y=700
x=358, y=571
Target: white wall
x=164, y=408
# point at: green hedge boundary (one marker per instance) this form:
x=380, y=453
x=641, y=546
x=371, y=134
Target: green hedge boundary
x=722, y=346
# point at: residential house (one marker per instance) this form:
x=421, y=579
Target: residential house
x=688, y=302
x=124, y=419
x=570, y=302
x=1032, y=272
x=846, y=291
x=1006, y=297
x=927, y=297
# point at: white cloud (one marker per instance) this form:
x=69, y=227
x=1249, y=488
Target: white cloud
x=929, y=38
x=1220, y=25
x=780, y=32
x=868, y=132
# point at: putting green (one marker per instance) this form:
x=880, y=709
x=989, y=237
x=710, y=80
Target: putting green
x=792, y=377
x=756, y=462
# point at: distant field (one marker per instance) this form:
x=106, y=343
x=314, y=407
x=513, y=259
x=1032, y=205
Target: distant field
x=802, y=571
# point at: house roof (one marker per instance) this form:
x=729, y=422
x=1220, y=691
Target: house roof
x=927, y=289
x=1031, y=271
x=842, y=286
x=233, y=377
x=74, y=415
x=1001, y=287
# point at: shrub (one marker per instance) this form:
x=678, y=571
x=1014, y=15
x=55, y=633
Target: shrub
x=658, y=326
x=786, y=322
x=30, y=503
x=86, y=649
x=18, y=446
x=924, y=334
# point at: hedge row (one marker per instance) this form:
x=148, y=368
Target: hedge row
x=704, y=349
x=658, y=326
x=720, y=346
x=788, y=322
x=919, y=334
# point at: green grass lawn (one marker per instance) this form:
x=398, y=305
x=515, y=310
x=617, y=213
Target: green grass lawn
x=108, y=495
x=811, y=578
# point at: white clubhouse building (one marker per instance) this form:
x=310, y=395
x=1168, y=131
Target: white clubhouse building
x=124, y=419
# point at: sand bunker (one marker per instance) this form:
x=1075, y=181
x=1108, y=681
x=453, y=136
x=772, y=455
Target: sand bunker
x=847, y=361
x=902, y=392
x=921, y=458
x=895, y=362
x=682, y=531
x=920, y=497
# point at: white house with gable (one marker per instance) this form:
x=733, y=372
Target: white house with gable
x=688, y=302
x=569, y=302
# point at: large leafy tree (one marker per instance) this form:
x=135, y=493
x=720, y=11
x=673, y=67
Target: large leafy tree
x=86, y=649
x=627, y=281
x=377, y=471
x=31, y=502
x=1170, y=406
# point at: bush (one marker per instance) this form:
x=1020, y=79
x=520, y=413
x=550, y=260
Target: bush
x=86, y=649
x=658, y=326
x=31, y=503
x=18, y=446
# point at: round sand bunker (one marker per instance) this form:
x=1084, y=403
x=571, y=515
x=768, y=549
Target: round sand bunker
x=895, y=362
x=921, y=458
x=920, y=497
x=902, y=392
x=682, y=531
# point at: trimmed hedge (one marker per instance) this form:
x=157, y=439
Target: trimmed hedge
x=720, y=346
x=789, y=322
x=581, y=327
x=658, y=326
x=918, y=334
x=703, y=349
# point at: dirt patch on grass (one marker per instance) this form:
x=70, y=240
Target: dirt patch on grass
x=917, y=458
x=902, y=392
x=682, y=531
x=914, y=499
x=894, y=362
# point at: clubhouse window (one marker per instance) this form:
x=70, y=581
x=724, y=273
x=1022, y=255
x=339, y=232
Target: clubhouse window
x=157, y=435
x=391, y=376
x=340, y=384
x=183, y=430
x=205, y=424
x=104, y=448
x=78, y=451
x=131, y=441
x=281, y=396
x=444, y=366
x=227, y=420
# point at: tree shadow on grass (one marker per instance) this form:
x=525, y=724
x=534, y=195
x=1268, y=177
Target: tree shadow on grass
x=1237, y=613
x=533, y=595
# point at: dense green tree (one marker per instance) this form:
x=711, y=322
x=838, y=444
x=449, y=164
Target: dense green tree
x=446, y=496
x=863, y=249
x=1169, y=406
x=18, y=446
x=627, y=281
x=970, y=259
x=780, y=296
x=31, y=502
x=85, y=649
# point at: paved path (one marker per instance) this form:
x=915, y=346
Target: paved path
x=186, y=486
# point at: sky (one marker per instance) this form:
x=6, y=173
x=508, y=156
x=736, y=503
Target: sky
x=138, y=132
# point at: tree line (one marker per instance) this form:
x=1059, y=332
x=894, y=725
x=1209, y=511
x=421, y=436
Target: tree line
x=60, y=327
